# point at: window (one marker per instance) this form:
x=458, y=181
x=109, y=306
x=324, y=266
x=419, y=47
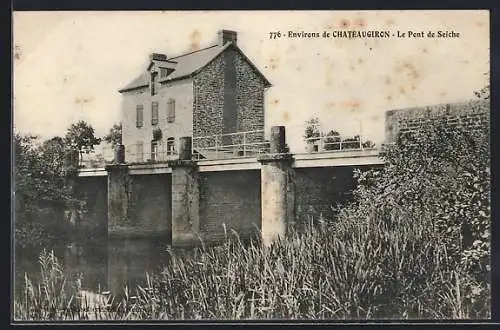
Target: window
x=139, y=152
x=170, y=146
x=163, y=72
x=154, y=150
x=154, y=113
x=171, y=110
x=139, y=116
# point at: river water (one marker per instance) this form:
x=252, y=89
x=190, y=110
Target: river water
x=104, y=265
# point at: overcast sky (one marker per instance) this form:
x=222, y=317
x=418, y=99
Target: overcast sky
x=69, y=65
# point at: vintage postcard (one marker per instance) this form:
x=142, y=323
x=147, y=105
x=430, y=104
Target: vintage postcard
x=251, y=165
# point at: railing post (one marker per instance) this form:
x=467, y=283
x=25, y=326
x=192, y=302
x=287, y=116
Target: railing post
x=216, y=147
x=361, y=134
x=244, y=144
x=321, y=145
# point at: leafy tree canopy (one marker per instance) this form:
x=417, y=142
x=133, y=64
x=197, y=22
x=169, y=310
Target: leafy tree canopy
x=114, y=137
x=81, y=136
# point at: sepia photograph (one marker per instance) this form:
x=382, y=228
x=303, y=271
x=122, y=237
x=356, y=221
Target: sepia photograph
x=251, y=165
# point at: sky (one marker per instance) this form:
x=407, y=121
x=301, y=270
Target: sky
x=69, y=66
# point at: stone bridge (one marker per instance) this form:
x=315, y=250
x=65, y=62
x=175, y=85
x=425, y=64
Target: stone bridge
x=186, y=200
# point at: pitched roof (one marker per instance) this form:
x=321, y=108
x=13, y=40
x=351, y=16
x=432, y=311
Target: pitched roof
x=190, y=64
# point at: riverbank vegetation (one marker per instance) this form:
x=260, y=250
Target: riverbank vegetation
x=45, y=201
x=414, y=243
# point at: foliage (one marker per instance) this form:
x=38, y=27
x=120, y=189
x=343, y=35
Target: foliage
x=312, y=132
x=114, y=137
x=484, y=93
x=157, y=134
x=43, y=190
x=81, y=136
x=39, y=188
x=332, y=140
x=429, y=211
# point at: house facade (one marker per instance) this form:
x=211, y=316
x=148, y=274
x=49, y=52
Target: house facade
x=212, y=94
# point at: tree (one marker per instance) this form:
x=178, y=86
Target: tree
x=80, y=137
x=312, y=132
x=52, y=152
x=114, y=137
x=41, y=190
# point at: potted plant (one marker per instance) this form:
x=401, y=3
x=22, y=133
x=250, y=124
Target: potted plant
x=157, y=134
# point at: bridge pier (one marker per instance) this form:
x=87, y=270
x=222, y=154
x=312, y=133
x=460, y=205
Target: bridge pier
x=277, y=188
x=118, y=197
x=185, y=197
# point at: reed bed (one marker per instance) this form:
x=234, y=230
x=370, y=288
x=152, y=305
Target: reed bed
x=316, y=274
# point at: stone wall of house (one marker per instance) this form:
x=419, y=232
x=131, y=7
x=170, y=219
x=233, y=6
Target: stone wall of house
x=249, y=99
x=471, y=115
x=208, y=103
x=228, y=97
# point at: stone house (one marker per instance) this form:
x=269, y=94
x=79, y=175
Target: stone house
x=205, y=94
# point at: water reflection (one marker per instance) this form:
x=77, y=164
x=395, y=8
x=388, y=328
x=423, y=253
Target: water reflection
x=105, y=265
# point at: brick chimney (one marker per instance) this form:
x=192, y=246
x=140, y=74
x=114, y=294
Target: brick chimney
x=157, y=57
x=226, y=36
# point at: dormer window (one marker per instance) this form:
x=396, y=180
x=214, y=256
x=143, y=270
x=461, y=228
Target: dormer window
x=163, y=73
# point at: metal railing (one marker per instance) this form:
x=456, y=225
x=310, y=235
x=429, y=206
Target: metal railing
x=230, y=145
x=162, y=153
x=247, y=144
x=326, y=143
x=96, y=158
x=318, y=139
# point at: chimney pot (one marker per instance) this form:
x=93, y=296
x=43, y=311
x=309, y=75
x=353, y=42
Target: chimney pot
x=157, y=57
x=226, y=36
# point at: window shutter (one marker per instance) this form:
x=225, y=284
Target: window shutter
x=154, y=113
x=171, y=110
x=153, y=83
x=139, y=115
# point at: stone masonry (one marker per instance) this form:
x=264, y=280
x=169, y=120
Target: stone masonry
x=210, y=88
x=471, y=115
x=249, y=99
x=208, y=101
